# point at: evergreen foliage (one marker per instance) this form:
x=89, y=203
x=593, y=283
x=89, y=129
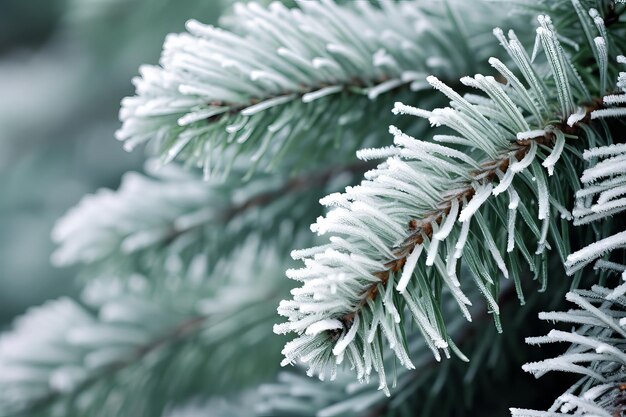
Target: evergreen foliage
x=518, y=183
x=397, y=238
x=283, y=72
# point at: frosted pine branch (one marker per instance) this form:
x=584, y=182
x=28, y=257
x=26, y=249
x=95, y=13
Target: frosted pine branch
x=285, y=73
x=135, y=327
x=164, y=219
x=596, y=353
x=143, y=213
x=391, y=239
x=603, y=195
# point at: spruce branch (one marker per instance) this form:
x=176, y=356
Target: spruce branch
x=64, y=357
x=596, y=353
x=504, y=140
x=142, y=213
x=164, y=220
x=598, y=347
x=601, y=197
x=293, y=394
x=285, y=75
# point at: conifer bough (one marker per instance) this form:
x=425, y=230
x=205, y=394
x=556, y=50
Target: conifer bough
x=396, y=239
x=283, y=72
x=181, y=275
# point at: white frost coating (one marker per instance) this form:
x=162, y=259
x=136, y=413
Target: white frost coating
x=409, y=267
x=452, y=139
x=523, y=412
x=368, y=154
x=451, y=269
x=479, y=198
x=341, y=345
x=531, y=134
x=617, y=292
x=388, y=300
x=314, y=95
x=510, y=243
x=305, y=253
x=603, y=61
x=323, y=325
x=505, y=183
x=401, y=108
x=610, y=194
x=604, y=151
x=460, y=244
x=447, y=225
x=199, y=115
x=596, y=312
x=576, y=116
x=603, y=113
x=544, y=199
x=614, y=99
x=606, y=168
x=541, y=245
x=420, y=146
x=513, y=203
x=614, y=266
x=513, y=199
x=432, y=250
x=497, y=257
x=382, y=88
x=554, y=156
x=609, y=206
x=264, y=105
x=589, y=408
x=335, y=200
x=526, y=160
x=579, y=259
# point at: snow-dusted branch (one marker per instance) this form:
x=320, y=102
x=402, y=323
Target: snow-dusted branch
x=397, y=239
x=130, y=328
x=286, y=75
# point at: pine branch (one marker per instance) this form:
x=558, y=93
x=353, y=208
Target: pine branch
x=298, y=184
x=598, y=346
x=423, y=219
x=596, y=353
x=348, y=302
x=61, y=356
x=144, y=212
x=285, y=75
x=601, y=198
x=150, y=225
x=294, y=394
x=178, y=333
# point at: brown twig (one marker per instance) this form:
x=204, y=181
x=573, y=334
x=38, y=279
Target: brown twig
x=348, y=87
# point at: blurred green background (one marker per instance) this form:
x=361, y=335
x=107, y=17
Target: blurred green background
x=64, y=67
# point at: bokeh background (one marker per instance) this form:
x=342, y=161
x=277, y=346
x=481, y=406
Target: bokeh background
x=64, y=67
